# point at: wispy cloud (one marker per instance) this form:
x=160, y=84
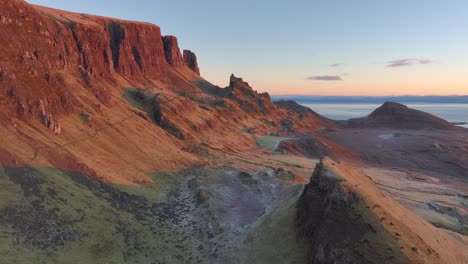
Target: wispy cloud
x=407, y=62
x=325, y=78
x=334, y=65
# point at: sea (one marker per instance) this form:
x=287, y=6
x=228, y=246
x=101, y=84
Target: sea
x=451, y=112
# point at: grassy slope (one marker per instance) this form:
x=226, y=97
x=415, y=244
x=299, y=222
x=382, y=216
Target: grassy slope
x=49, y=215
x=274, y=242
x=418, y=239
x=107, y=225
x=270, y=143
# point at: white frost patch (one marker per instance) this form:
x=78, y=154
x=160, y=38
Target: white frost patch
x=386, y=136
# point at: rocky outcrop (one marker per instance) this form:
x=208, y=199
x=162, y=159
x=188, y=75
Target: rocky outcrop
x=172, y=51
x=249, y=100
x=398, y=116
x=239, y=84
x=190, y=60
x=48, y=120
x=51, y=123
x=338, y=226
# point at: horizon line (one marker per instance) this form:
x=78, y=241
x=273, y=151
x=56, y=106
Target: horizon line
x=406, y=95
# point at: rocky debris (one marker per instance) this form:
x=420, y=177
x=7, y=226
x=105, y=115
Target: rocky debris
x=190, y=60
x=338, y=227
x=283, y=174
x=38, y=227
x=172, y=51
x=33, y=223
x=52, y=124
x=185, y=221
x=398, y=116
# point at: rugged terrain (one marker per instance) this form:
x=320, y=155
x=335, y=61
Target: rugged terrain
x=114, y=149
x=347, y=219
x=424, y=168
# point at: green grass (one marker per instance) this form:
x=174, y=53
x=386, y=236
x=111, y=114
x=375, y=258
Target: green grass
x=163, y=182
x=129, y=96
x=211, y=89
x=128, y=224
x=149, y=103
x=380, y=240
x=270, y=143
x=261, y=246
x=111, y=229
x=84, y=117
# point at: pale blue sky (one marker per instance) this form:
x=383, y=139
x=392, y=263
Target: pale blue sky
x=277, y=45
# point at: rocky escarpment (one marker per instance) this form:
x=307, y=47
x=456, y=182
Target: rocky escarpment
x=190, y=60
x=171, y=48
x=44, y=49
x=395, y=115
x=48, y=54
x=338, y=226
x=106, y=45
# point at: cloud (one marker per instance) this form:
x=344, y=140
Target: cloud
x=325, y=78
x=407, y=62
x=334, y=65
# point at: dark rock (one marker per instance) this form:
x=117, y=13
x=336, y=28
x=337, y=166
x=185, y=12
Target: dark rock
x=172, y=51
x=190, y=60
x=329, y=219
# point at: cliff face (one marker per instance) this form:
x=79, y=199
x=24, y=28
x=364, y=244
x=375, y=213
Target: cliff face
x=171, y=48
x=39, y=43
x=191, y=61
x=106, y=45
x=33, y=47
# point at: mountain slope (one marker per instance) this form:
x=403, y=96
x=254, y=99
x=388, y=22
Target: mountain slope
x=347, y=219
x=119, y=97
x=115, y=150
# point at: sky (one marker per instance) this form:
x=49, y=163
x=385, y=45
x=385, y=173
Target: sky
x=328, y=47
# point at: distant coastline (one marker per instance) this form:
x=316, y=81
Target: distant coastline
x=309, y=99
